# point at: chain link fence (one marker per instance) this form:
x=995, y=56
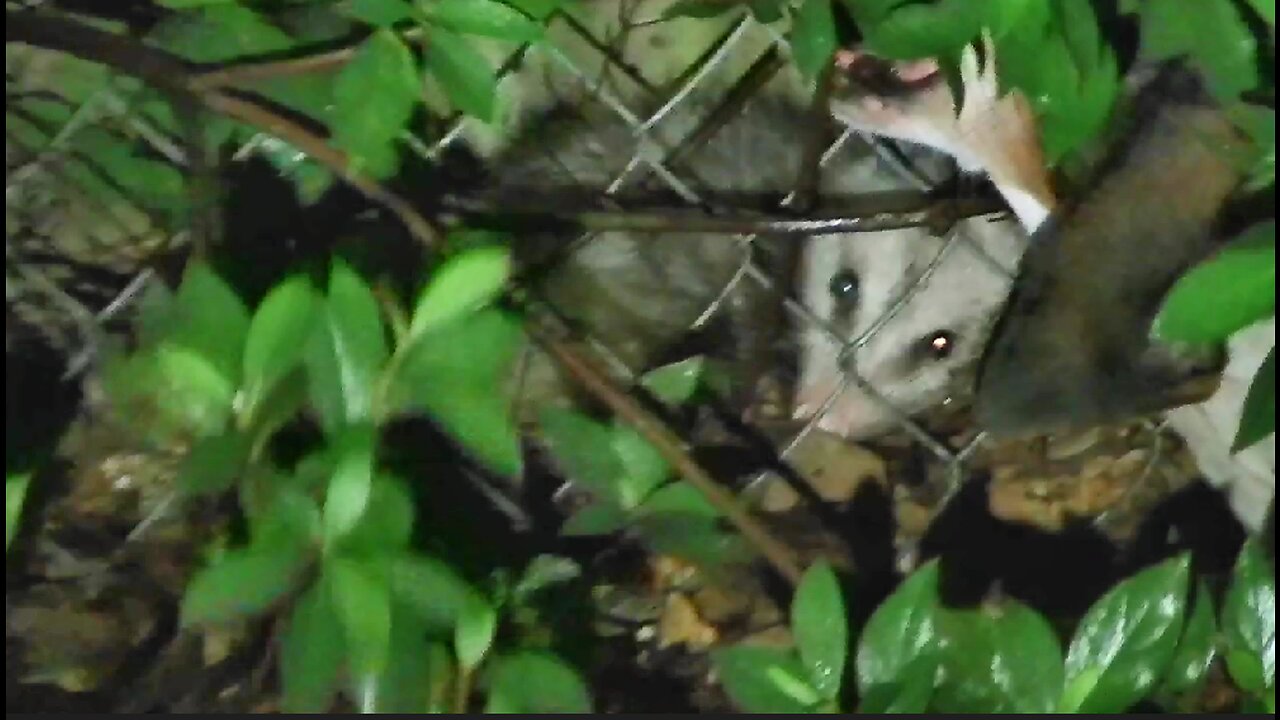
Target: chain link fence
x=76, y=263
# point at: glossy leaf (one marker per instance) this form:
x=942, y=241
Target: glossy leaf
x=813, y=37
x=682, y=498
x=764, y=679
x=474, y=633
x=1229, y=291
x=643, y=467
x=1258, y=417
x=191, y=388
x=312, y=651
x=695, y=538
x=998, y=660
x=465, y=75
x=15, y=494
x=464, y=284
x=675, y=383
x=241, y=584
x=1249, y=621
x=208, y=318
x=1126, y=640
x=355, y=330
x=415, y=673
x=351, y=484
x=373, y=98
x=380, y=13
x=219, y=33
x=542, y=572
x=536, y=682
x=600, y=517
x=278, y=334
x=1226, y=54
x=214, y=463
x=387, y=522
x=584, y=448
x=900, y=631
x=361, y=598
x=483, y=17
x=537, y=9
x=1196, y=648
x=913, y=31
x=910, y=693
x=458, y=373
x=432, y=590
x=821, y=629
x=290, y=522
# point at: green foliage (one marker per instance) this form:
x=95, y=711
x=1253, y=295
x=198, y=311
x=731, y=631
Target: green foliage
x=373, y=97
x=15, y=494
x=1249, y=623
x=1231, y=290
x=818, y=619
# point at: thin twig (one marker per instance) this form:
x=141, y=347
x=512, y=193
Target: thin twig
x=169, y=73
x=585, y=372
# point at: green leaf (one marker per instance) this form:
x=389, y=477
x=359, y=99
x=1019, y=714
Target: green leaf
x=1258, y=418
x=457, y=374
x=241, y=584
x=764, y=679
x=674, y=384
x=584, y=448
x=1226, y=54
x=380, y=13
x=901, y=630
x=998, y=660
x=208, y=318
x=278, y=335
x=355, y=331
x=483, y=17
x=311, y=654
x=474, y=633
x=191, y=388
x=15, y=494
x=600, y=517
x=1126, y=640
x=695, y=538
x=289, y=522
x=701, y=9
x=643, y=467
x=910, y=693
x=542, y=572
x=219, y=33
x=1266, y=9
x=821, y=630
x=537, y=9
x=361, y=598
x=463, y=73
x=281, y=405
x=1229, y=291
x=435, y=593
x=813, y=37
x=351, y=484
x=1196, y=648
x=373, y=98
x=536, y=682
x=387, y=522
x=214, y=463
x=682, y=498
x=464, y=284
x=1249, y=621
x=416, y=671
x=914, y=31
x=151, y=183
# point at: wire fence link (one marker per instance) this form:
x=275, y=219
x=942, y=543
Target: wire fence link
x=120, y=238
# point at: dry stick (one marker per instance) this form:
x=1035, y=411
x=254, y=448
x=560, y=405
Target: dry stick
x=169, y=73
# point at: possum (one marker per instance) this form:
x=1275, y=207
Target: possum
x=995, y=135
x=640, y=293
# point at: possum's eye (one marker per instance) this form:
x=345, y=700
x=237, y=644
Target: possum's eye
x=844, y=287
x=937, y=346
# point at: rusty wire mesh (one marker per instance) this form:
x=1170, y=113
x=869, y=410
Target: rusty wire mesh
x=87, y=276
